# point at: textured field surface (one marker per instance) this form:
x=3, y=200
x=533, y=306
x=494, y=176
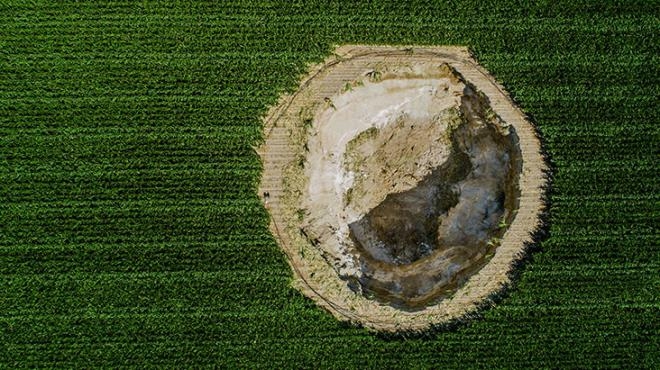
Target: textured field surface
x=130, y=228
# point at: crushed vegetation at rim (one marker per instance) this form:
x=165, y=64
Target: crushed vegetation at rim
x=402, y=184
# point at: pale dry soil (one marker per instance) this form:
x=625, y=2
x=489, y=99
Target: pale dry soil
x=412, y=179
x=403, y=185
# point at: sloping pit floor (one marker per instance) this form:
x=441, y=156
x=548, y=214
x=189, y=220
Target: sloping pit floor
x=427, y=236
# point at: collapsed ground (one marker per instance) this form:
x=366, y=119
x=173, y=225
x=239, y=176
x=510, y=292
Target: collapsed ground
x=425, y=182
x=403, y=185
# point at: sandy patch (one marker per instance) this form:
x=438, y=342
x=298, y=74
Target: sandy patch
x=402, y=183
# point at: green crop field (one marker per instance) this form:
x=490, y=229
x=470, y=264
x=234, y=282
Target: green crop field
x=131, y=232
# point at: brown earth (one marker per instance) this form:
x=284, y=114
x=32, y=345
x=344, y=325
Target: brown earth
x=403, y=184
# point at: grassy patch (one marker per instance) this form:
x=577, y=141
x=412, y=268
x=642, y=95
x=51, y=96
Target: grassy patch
x=131, y=231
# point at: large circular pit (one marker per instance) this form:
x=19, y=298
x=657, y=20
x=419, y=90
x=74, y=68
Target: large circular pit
x=403, y=184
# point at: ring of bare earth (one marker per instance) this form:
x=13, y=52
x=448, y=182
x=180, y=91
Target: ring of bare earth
x=403, y=185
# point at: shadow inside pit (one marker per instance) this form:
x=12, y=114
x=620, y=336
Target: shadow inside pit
x=404, y=227
x=418, y=246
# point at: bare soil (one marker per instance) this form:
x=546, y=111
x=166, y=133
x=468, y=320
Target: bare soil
x=403, y=184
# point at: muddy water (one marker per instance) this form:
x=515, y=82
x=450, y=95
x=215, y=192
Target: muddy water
x=419, y=245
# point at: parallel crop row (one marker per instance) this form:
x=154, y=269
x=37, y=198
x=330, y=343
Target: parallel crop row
x=130, y=228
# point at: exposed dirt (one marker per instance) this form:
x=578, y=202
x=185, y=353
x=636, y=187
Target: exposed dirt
x=445, y=225
x=399, y=184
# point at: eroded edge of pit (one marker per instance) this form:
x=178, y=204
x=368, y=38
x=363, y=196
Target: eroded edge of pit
x=314, y=277
x=381, y=276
